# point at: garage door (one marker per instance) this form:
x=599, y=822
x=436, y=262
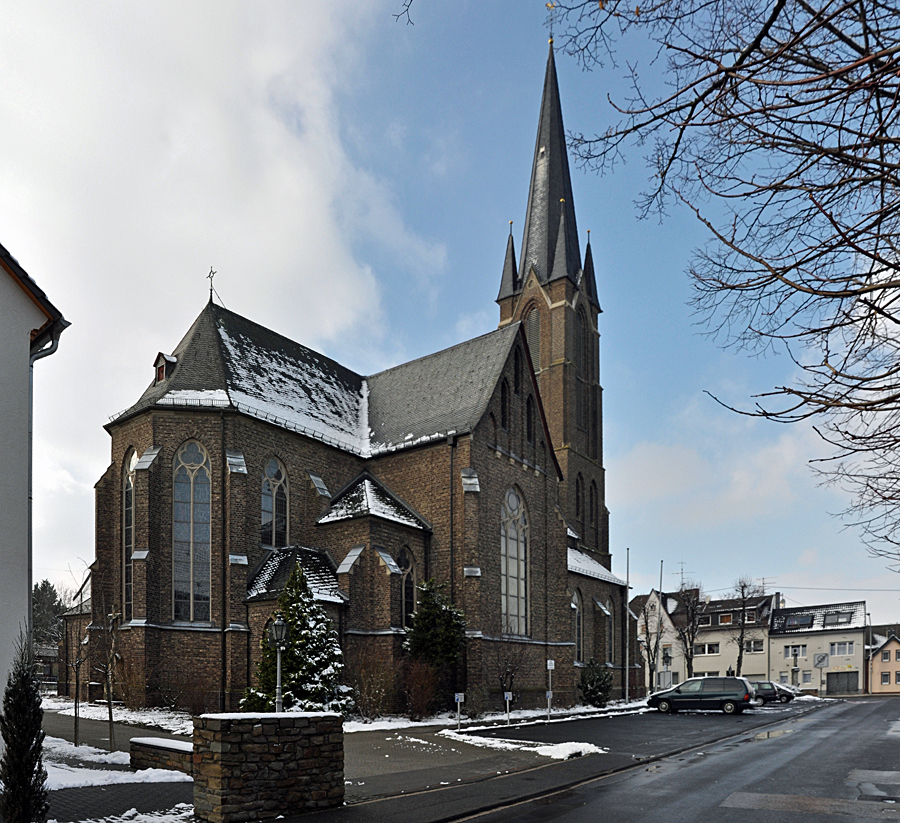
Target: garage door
x=843, y=682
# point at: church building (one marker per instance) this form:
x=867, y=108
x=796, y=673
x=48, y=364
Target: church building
x=480, y=466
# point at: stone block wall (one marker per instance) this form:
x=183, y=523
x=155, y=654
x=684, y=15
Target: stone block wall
x=259, y=766
x=161, y=753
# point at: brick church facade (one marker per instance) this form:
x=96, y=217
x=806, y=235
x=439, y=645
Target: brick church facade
x=479, y=466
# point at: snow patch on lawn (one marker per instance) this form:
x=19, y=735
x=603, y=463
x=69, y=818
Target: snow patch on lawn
x=165, y=719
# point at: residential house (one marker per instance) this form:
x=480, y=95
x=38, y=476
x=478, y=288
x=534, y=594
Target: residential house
x=480, y=466
x=732, y=637
x=819, y=648
x=30, y=326
x=884, y=667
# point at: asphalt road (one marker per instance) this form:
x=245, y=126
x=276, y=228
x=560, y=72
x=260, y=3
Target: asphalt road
x=837, y=764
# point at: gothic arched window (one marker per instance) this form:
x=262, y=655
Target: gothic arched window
x=191, y=533
x=610, y=632
x=504, y=405
x=514, y=564
x=579, y=506
x=578, y=615
x=517, y=371
x=128, y=536
x=529, y=419
x=533, y=337
x=408, y=590
x=274, y=526
x=592, y=513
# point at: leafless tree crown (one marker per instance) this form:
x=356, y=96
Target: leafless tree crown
x=778, y=127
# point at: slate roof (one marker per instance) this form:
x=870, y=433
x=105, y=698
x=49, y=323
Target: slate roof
x=551, y=207
x=272, y=574
x=437, y=395
x=581, y=563
x=366, y=496
x=228, y=361
x=781, y=618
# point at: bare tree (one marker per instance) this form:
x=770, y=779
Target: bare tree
x=687, y=620
x=777, y=126
x=745, y=596
x=649, y=632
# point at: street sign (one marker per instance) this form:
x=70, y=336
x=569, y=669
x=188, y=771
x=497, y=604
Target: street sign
x=820, y=660
x=551, y=665
x=460, y=697
x=507, y=696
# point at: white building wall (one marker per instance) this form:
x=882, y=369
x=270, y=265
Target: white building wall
x=18, y=316
x=806, y=675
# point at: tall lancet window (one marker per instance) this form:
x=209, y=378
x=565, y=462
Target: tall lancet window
x=407, y=565
x=578, y=616
x=533, y=336
x=128, y=536
x=191, y=534
x=274, y=525
x=514, y=564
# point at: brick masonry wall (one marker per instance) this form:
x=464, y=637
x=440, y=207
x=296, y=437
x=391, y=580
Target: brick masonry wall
x=257, y=767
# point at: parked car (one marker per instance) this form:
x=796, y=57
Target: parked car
x=768, y=691
x=729, y=694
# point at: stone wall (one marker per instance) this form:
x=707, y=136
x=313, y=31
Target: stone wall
x=161, y=753
x=259, y=766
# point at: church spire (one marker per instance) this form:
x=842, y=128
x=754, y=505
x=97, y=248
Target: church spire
x=509, y=284
x=551, y=207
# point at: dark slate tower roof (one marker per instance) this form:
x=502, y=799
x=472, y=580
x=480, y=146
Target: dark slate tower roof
x=551, y=206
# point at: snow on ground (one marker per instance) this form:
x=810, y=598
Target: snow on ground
x=165, y=719
x=557, y=751
x=62, y=775
x=182, y=813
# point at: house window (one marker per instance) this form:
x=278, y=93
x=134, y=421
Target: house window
x=701, y=649
x=842, y=649
x=897, y=655
x=705, y=620
x=885, y=678
x=886, y=657
x=191, y=533
x=750, y=616
x=408, y=590
x=514, y=564
x=807, y=678
x=128, y=538
x=897, y=678
x=753, y=646
x=798, y=621
x=838, y=618
x=273, y=530
x=799, y=651
x=782, y=677
x=724, y=619
x=578, y=615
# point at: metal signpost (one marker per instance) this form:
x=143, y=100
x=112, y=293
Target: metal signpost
x=551, y=665
x=507, y=696
x=460, y=699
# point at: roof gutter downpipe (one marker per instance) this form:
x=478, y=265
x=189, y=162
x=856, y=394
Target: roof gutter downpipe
x=58, y=328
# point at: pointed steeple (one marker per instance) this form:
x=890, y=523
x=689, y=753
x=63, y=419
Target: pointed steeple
x=588, y=280
x=552, y=256
x=509, y=283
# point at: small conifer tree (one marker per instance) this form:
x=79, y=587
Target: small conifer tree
x=24, y=795
x=437, y=635
x=311, y=662
x=596, y=684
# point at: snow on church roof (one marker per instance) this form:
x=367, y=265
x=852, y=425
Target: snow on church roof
x=582, y=563
x=366, y=496
x=228, y=361
x=273, y=573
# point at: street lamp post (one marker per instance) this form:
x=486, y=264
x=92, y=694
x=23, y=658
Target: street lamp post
x=278, y=635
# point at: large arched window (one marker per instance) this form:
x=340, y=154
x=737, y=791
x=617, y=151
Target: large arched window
x=514, y=564
x=578, y=616
x=581, y=367
x=408, y=590
x=128, y=536
x=191, y=533
x=274, y=525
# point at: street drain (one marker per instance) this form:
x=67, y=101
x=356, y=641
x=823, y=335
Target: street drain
x=770, y=735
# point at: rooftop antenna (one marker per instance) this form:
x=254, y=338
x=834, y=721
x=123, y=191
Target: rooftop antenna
x=681, y=572
x=765, y=582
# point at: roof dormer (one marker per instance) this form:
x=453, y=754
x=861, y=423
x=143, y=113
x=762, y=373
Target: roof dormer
x=164, y=366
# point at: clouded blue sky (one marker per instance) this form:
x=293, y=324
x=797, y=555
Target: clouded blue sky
x=351, y=179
